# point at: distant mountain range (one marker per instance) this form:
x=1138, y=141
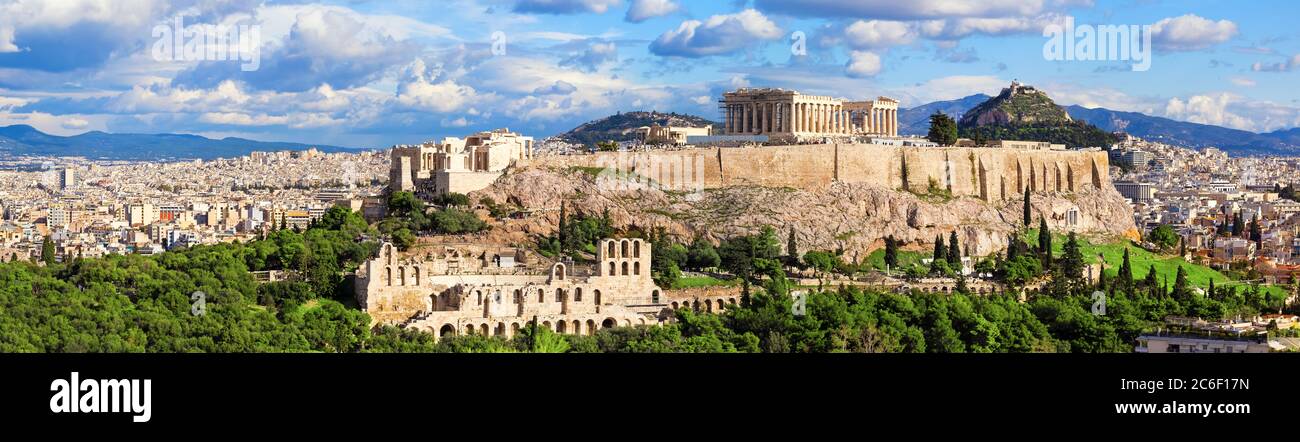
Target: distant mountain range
x=916, y=121
x=622, y=126
x=23, y=140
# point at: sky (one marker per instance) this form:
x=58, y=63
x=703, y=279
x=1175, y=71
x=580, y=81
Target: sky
x=371, y=74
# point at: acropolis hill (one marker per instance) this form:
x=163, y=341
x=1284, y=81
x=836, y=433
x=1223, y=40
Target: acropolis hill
x=834, y=196
x=991, y=174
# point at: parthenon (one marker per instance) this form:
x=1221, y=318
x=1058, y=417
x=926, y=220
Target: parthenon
x=786, y=112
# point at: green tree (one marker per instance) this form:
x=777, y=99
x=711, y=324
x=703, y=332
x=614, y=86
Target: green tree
x=1164, y=236
x=943, y=130
x=792, y=249
x=954, y=251
x=702, y=255
x=891, y=252
x=820, y=261
x=1028, y=214
x=1044, y=243
x=1181, y=289
x=47, y=251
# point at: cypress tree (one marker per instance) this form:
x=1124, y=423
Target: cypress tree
x=954, y=251
x=940, y=252
x=1028, y=216
x=891, y=252
x=1126, y=273
x=1044, y=243
x=792, y=248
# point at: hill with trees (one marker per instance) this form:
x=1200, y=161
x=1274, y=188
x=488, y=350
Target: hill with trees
x=623, y=126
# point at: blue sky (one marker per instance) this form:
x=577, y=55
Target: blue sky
x=371, y=73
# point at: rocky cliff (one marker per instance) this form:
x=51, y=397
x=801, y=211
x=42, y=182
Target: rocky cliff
x=855, y=217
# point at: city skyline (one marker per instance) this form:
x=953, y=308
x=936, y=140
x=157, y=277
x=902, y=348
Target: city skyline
x=372, y=74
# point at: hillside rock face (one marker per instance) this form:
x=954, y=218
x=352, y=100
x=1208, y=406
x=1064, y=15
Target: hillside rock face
x=1018, y=104
x=854, y=217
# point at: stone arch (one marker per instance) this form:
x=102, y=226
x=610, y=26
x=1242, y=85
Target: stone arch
x=561, y=326
x=519, y=296
x=636, y=268
x=541, y=296
x=557, y=272
x=609, y=323
x=623, y=248
x=591, y=327
x=708, y=305
x=547, y=325
x=559, y=295
x=636, y=248
x=388, y=253
x=478, y=297
x=654, y=296
x=483, y=328
x=577, y=294
x=388, y=272
x=612, y=271
x=447, y=330
x=416, y=270
x=624, y=268
x=596, y=296
x=514, y=328
x=500, y=329
x=613, y=252
x=469, y=329
x=731, y=301
x=674, y=305
x=695, y=305
x=401, y=275
x=577, y=327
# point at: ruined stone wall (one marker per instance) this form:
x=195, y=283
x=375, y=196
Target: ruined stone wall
x=992, y=174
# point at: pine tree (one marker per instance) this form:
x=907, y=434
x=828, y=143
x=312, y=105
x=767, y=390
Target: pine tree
x=1013, y=251
x=954, y=251
x=1210, y=293
x=1237, y=227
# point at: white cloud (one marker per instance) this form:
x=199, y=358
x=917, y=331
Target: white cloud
x=720, y=34
x=901, y=10
x=642, y=10
x=419, y=90
x=1242, y=81
x=878, y=34
x=1234, y=111
x=1190, y=32
x=863, y=64
x=565, y=6
x=1283, y=66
